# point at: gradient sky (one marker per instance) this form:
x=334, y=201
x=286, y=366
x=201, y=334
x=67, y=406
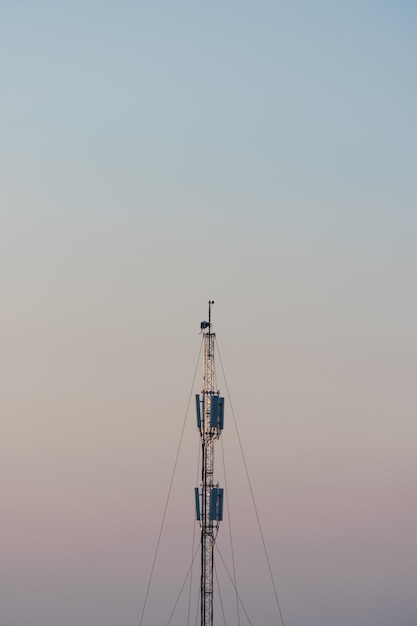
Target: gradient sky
x=158, y=154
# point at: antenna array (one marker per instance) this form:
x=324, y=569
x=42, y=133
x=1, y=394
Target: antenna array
x=209, y=496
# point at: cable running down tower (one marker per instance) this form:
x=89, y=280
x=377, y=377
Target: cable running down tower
x=209, y=496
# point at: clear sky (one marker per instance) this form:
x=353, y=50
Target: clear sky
x=155, y=155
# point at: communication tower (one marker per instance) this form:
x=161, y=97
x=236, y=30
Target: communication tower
x=209, y=496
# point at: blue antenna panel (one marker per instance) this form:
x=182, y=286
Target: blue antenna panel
x=217, y=412
x=220, y=418
x=216, y=504
x=197, y=405
x=197, y=504
x=214, y=410
x=220, y=505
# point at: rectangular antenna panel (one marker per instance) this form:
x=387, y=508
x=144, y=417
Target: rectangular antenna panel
x=220, y=505
x=220, y=419
x=197, y=504
x=197, y=406
x=216, y=504
x=217, y=412
x=214, y=411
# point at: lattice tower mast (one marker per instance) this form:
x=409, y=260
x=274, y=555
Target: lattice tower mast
x=210, y=418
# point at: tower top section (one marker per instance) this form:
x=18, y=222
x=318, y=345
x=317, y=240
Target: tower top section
x=207, y=325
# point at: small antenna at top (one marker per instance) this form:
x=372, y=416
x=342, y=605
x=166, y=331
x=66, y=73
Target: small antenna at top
x=211, y=302
x=205, y=325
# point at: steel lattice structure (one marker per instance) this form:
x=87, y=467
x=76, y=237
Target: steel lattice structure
x=210, y=412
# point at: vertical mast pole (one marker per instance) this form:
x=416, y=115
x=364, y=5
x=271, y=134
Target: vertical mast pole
x=210, y=423
x=207, y=542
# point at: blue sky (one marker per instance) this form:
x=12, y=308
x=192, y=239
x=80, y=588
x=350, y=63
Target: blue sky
x=153, y=156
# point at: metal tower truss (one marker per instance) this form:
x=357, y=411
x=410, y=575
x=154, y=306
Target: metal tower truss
x=209, y=497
